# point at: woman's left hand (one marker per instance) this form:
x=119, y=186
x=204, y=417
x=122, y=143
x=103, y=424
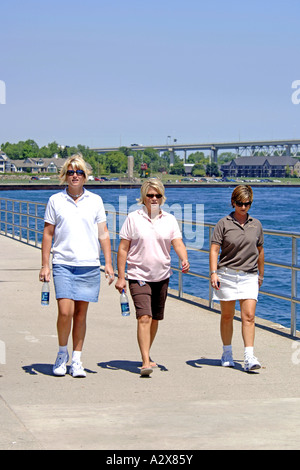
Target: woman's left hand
x=185, y=266
x=260, y=281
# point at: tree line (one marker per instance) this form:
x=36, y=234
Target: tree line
x=116, y=161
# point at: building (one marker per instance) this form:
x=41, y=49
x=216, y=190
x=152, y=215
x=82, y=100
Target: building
x=32, y=165
x=261, y=167
x=4, y=162
x=188, y=168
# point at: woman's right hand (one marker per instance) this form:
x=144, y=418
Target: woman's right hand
x=215, y=281
x=45, y=274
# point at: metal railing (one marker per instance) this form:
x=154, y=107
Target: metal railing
x=23, y=221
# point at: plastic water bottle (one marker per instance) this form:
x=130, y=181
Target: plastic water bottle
x=125, y=310
x=45, y=295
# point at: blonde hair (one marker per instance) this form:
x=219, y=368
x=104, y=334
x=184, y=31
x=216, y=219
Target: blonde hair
x=154, y=183
x=242, y=193
x=77, y=162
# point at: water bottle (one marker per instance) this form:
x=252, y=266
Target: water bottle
x=45, y=295
x=125, y=310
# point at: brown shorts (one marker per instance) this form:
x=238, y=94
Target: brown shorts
x=150, y=298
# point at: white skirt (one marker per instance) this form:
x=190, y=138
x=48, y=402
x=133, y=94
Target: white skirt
x=236, y=285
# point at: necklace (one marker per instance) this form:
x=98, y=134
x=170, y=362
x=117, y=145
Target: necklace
x=75, y=196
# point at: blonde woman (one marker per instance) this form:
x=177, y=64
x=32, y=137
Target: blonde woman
x=146, y=239
x=239, y=273
x=76, y=219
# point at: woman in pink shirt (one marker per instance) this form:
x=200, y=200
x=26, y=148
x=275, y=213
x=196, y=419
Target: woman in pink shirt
x=146, y=239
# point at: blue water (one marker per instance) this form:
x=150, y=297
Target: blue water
x=276, y=207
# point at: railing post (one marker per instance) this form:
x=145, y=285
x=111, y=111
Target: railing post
x=210, y=290
x=294, y=287
x=180, y=288
x=114, y=241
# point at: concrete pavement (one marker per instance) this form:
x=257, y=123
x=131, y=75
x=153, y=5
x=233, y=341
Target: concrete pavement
x=188, y=403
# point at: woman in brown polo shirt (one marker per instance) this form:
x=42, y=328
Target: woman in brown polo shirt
x=239, y=272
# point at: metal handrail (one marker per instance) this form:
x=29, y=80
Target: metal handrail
x=33, y=236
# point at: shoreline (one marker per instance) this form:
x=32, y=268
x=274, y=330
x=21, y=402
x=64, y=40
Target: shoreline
x=38, y=186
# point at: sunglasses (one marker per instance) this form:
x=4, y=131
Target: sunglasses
x=78, y=172
x=241, y=204
x=151, y=196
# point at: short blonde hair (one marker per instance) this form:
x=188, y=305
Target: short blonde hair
x=242, y=193
x=77, y=162
x=154, y=183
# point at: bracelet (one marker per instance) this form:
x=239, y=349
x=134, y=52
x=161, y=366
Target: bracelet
x=260, y=278
x=213, y=272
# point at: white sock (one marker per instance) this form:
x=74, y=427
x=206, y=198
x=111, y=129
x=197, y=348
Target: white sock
x=227, y=348
x=76, y=356
x=63, y=349
x=249, y=351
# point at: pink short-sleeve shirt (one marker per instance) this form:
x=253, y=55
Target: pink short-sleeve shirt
x=149, y=253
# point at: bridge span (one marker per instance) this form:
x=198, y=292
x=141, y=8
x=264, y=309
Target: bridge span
x=288, y=147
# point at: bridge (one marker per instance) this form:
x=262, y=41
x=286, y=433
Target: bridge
x=288, y=147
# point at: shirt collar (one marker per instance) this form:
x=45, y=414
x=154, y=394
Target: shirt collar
x=231, y=217
x=144, y=213
x=85, y=193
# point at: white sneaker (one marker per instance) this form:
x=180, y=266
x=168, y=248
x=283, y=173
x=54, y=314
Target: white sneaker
x=60, y=366
x=76, y=370
x=251, y=363
x=227, y=360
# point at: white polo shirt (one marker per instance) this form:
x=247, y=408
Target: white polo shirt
x=76, y=228
x=149, y=253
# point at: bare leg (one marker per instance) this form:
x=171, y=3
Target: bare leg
x=79, y=324
x=144, y=338
x=153, y=331
x=248, y=307
x=226, y=327
x=66, y=309
x=69, y=310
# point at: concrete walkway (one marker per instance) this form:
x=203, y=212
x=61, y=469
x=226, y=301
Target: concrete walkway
x=189, y=402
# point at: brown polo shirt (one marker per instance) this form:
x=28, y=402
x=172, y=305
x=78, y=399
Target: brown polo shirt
x=238, y=244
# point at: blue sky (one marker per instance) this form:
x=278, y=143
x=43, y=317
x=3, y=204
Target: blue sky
x=116, y=72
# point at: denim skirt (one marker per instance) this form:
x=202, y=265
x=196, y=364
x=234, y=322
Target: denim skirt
x=236, y=285
x=76, y=282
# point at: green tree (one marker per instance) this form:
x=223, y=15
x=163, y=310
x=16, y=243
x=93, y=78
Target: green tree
x=198, y=170
x=30, y=149
x=197, y=157
x=116, y=162
x=212, y=169
x=177, y=169
x=226, y=157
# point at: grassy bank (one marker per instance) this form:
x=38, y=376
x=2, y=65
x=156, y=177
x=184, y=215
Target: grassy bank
x=21, y=179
